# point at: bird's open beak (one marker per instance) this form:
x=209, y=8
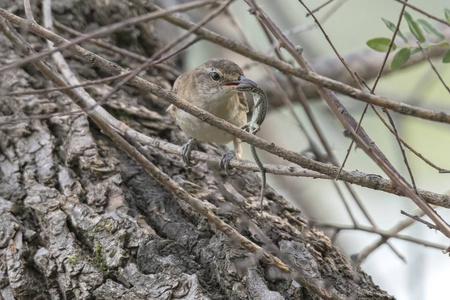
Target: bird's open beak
x=242, y=84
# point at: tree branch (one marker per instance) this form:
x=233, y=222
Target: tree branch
x=309, y=76
x=355, y=177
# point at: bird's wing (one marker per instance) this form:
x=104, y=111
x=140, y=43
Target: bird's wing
x=183, y=79
x=176, y=86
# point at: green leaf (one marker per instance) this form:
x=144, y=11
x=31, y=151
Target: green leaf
x=431, y=45
x=400, y=58
x=446, y=58
x=415, y=50
x=430, y=29
x=447, y=14
x=392, y=26
x=380, y=44
x=414, y=27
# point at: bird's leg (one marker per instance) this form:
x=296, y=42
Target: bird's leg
x=186, y=151
x=237, y=143
x=229, y=155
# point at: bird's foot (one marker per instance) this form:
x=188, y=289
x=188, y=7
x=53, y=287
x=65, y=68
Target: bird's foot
x=251, y=127
x=225, y=161
x=186, y=152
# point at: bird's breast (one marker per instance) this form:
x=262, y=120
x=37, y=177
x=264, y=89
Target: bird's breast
x=228, y=110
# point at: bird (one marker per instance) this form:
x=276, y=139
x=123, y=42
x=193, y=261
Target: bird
x=211, y=87
x=217, y=86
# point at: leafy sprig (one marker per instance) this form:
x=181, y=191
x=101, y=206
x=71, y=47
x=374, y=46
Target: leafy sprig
x=417, y=29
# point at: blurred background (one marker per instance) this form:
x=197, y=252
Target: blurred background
x=349, y=24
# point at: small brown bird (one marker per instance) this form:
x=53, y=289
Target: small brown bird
x=212, y=86
x=218, y=86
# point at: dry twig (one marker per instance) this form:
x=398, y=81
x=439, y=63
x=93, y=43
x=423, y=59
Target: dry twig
x=355, y=177
x=349, y=124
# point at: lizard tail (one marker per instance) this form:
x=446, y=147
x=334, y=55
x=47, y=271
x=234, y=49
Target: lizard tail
x=263, y=173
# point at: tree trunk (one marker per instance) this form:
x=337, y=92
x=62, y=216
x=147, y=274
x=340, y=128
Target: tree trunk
x=81, y=220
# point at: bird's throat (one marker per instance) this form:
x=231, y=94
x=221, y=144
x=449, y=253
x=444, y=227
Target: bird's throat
x=221, y=105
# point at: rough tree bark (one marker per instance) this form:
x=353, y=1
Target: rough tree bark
x=80, y=220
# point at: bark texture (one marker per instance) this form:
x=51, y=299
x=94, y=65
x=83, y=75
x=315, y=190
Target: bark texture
x=80, y=220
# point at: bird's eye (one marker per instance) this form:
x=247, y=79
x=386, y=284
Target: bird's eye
x=215, y=76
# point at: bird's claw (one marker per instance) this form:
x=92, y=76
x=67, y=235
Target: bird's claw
x=225, y=161
x=250, y=127
x=186, y=152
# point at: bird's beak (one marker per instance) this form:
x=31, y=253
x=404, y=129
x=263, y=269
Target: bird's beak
x=242, y=84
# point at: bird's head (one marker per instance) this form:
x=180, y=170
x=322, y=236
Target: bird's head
x=222, y=78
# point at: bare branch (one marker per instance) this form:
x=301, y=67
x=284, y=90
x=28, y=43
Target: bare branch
x=349, y=124
x=318, y=8
x=383, y=234
x=418, y=219
x=394, y=231
x=28, y=12
x=433, y=67
x=102, y=118
x=312, y=77
x=116, y=49
x=96, y=33
x=355, y=177
x=152, y=60
x=424, y=12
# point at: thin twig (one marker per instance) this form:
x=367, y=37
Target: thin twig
x=418, y=154
x=312, y=145
x=423, y=12
x=433, y=67
x=318, y=8
x=198, y=205
x=350, y=147
x=376, y=183
x=152, y=59
x=356, y=177
x=115, y=49
x=99, y=32
x=330, y=153
x=62, y=88
x=394, y=231
x=309, y=113
x=383, y=234
x=418, y=219
x=323, y=19
x=391, y=120
x=377, y=78
x=307, y=75
x=28, y=12
x=394, y=129
x=149, y=63
x=350, y=72
x=7, y=120
x=101, y=117
x=320, y=134
x=362, y=139
x=402, y=150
